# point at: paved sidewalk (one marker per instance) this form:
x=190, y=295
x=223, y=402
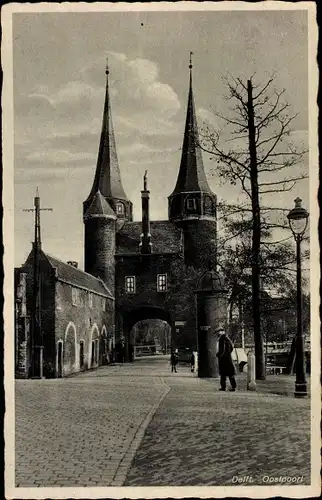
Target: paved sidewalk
x=138, y=424
x=200, y=436
x=81, y=431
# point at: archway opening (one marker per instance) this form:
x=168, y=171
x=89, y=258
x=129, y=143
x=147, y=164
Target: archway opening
x=151, y=337
x=153, y=318
x=60, y=359
x=93, y=354
x=81, y=355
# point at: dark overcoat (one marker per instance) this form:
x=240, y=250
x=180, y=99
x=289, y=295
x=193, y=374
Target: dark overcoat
x=225, y=348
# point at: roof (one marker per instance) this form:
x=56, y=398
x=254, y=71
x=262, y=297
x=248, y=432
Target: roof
x=74, y=276
x=99, y=206
x=165, y=237
x=107, y=176
x=191, y=175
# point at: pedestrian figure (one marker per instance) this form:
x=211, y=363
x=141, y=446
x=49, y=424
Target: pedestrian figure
x=226, y=365
x=192, y=362
x=174, y=360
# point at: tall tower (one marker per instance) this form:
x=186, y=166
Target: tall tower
x=107, y=176
x=100, y=230
x=192, y=204
x=107, y=206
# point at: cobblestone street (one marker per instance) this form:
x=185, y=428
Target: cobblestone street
x=140, y=425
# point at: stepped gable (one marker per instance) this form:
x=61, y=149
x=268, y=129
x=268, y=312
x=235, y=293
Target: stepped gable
x=99, y=206
x=166, y=237
x=77, y=277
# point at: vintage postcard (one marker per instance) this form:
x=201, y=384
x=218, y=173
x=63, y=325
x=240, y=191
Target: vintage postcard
x=161, y=250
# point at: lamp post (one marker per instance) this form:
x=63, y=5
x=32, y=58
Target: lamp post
x=298, y=220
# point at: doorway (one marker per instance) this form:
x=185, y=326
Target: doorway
x=81, y=354
x=60, y=360
x=93, y=354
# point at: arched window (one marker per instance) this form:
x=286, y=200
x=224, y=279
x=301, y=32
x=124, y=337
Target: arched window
x=120, y=208
x=191, y=205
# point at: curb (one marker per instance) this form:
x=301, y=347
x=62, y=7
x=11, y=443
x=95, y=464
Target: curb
x=125, y=464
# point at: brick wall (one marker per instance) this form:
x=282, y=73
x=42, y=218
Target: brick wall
x=76, y=323
x=100, y=249
x=46, y=309
x=200, y=242
x=177, y=303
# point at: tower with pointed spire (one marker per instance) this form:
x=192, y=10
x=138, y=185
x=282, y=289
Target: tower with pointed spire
x=107, y=207
x=107, y=177
x=142, y=262
x=192, y=204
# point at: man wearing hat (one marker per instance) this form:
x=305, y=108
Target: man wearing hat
x=226, y=365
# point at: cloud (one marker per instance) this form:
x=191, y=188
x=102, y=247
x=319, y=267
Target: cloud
x=71, y=93
x=142, y=101
x=59, y=156
x=143, y=149
x=51, y=122
x=138, y=153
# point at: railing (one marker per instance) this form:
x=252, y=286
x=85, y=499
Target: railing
x=147, y=350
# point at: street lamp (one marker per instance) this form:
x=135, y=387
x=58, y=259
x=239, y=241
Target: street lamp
x=298, y=220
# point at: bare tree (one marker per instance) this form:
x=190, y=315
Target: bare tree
x=259, y=157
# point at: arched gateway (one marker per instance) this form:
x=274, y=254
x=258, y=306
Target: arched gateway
x=151, y=267
x=133, y=316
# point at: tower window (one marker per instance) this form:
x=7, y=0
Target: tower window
x=191, y=204
x=130, y=284
x=119, y=208
x=162, y=283
x=103, y=304
x=90, y=300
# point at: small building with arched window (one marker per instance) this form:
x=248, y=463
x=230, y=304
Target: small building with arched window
x=76, y=315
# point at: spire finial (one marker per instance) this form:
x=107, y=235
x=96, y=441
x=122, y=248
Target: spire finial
x=145, y=180
x=190, y=60
x=37, y=192
x=107, y=71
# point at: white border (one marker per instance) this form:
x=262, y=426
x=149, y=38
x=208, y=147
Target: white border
x=8, y=221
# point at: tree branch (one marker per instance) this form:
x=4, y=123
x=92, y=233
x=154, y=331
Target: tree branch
x=283, y=181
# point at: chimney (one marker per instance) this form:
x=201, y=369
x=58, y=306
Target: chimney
x=145, y=244
x=72, y=263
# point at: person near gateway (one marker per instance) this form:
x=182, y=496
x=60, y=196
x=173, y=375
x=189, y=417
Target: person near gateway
x=174, y=360
x=192, y=362
x=226, y=365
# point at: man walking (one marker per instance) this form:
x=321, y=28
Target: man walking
x=226, y=365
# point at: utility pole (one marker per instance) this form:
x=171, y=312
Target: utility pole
x=258, y=340
x=36, y=338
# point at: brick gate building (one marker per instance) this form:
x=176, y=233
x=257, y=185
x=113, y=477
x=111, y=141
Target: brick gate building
x=147, y=269
x=151, y=266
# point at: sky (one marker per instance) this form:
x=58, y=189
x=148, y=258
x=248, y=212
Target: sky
x=59, y=84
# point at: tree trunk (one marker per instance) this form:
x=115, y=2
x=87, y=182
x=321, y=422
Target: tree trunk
x=256, y=233
x=241, y=321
